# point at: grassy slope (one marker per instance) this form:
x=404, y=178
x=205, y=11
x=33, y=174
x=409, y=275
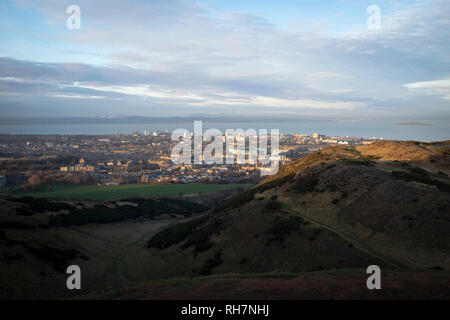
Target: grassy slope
x=356, y=204
x=398, y=221
x=330, y=284
x=108, y=253
x=94, y=192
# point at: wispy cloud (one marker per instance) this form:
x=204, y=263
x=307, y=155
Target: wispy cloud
x=435, y=87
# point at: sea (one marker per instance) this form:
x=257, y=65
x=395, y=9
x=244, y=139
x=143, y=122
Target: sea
x=436, y=130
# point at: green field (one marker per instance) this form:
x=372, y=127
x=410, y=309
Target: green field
x=95, y=192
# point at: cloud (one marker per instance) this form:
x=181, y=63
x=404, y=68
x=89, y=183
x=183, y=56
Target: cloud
x=435, y=87
x=187, y=54
x=326, y=74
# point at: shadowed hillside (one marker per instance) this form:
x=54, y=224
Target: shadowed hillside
x=342, y=207
x=40, y=238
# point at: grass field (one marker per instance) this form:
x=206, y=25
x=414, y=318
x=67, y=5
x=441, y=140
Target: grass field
x=95, y=192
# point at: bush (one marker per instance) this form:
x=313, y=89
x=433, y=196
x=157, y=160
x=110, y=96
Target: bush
x=211, y=263
x=275, y=183
x=360, y=162
x=444, y=151
x=199, y=238
x=185, y=204
x=147, y=208
x=284, y=227
x=237, y=201
x=306, y=184
x=443, y=186
x=43, y=205
x=419, y=171
x=176, y=234
x=24, y=211
x=59, y=258
x=273, y=206
x=16, y=225
x=332, y=187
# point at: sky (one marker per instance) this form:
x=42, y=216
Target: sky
x=247, y=57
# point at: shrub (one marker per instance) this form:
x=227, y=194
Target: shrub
x=59, y=258
x=306, y=184
x=273, y=205
x=444, y=151
x=43, y=205
x=147, y=208
x=360, y=162
x=16, y=225
x=24, y=211
x=275, y=183
x=186, y=205
x=284, y=227
x=443, y=186
x=332, y=187
x=200, y=238
x=211, y=263
x=176, y=234
x=237, y=201
x=418, y=171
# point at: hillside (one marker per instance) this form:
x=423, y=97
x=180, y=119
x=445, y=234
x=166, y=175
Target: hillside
x=340, y=208
x=40, y=238
x=308, y=232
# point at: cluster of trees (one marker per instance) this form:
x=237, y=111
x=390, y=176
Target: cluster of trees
x=33, y=173
x=146, y=208
x=42, y=178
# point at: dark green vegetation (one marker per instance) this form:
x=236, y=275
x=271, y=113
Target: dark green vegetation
x=132, y=209
x=174, y=235
x=41, y=205
x=58, y=258
x=273, y=205
x=306, y=184
x=245, y=197
x=420, y=175
x=360, y=162
x=284, y=227
x=274, y=183
x=238, y=200
x=210, y=264
x=194, y=234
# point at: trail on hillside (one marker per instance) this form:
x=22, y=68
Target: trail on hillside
x=348, y=236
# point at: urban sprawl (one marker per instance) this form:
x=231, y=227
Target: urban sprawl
x=34, y=160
